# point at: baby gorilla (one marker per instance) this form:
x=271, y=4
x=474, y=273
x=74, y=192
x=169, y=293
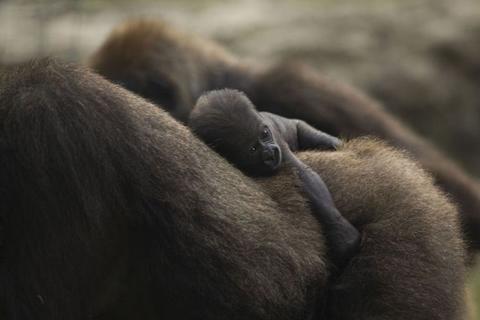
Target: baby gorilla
x=258, y=142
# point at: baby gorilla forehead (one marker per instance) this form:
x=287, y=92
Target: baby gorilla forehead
x=243, y=123
x=250, y=122
x=241, y=135
x=243, y=118
x=227, y=120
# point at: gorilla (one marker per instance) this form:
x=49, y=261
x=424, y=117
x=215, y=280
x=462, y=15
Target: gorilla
x=110, y=209
x=258, y=143
x=228, y=121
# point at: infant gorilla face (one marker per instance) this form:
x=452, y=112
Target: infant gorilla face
x=263, y=155
x=228, y=122
x=251, y=144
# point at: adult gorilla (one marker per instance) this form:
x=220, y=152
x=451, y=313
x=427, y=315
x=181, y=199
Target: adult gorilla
x=110, y=209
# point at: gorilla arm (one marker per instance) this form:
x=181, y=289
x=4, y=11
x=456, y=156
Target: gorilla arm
x=343, y=239
x=311, y=138
x=299, y=135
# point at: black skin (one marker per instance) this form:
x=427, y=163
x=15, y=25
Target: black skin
x=259, y=142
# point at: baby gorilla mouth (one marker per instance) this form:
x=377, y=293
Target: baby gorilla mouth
x=271, y=157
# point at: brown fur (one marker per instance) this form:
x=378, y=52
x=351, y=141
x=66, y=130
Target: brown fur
x=113, y=210
x=392, y=218
x=291, y=90
x=393, y=207
x=164, y=71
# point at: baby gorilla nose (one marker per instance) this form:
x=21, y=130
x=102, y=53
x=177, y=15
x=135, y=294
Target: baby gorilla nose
x=271, y=156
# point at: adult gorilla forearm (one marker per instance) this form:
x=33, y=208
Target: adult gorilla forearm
x=113, y=210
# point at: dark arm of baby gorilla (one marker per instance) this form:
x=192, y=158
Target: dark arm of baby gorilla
x=311, y=138
x=343, y=239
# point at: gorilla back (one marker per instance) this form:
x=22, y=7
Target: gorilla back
x=112, y=210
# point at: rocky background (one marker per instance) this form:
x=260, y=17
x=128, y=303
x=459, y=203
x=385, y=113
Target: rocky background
x=420, y=58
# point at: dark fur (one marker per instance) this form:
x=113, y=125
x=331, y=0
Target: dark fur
x=360, y=172
x=141, y=53
x=227, y=122
x=227, y=118
x=112, y=210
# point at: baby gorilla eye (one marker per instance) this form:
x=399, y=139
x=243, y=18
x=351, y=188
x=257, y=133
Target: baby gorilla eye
x=253, y=149
x=266, y=133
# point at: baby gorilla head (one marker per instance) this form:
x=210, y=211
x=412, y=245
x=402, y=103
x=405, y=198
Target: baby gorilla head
x=228, y=122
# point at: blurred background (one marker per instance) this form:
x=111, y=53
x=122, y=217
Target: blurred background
x=420, y=58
